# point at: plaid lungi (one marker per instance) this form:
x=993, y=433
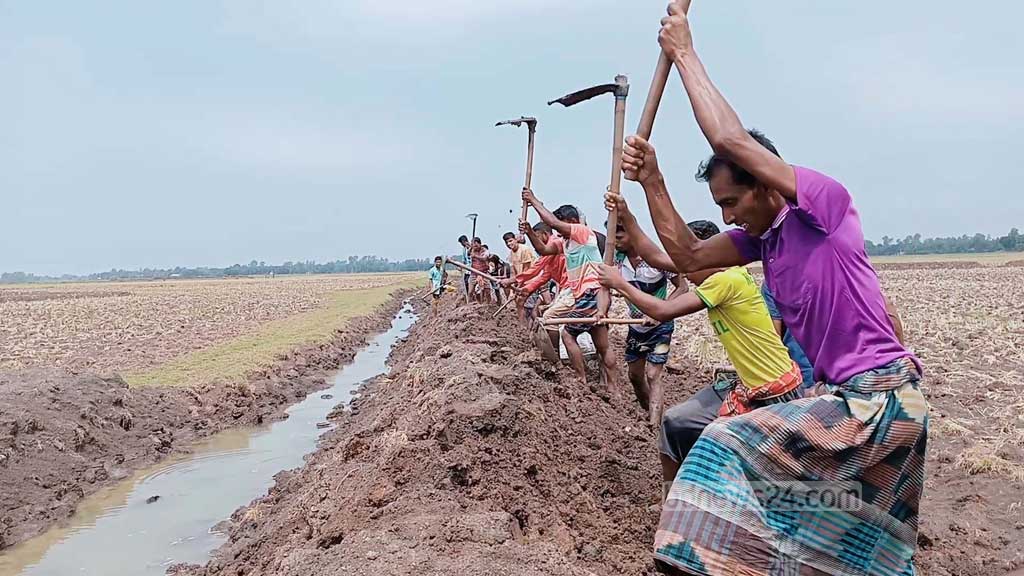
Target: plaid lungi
x=741, y=399
x=866, y=438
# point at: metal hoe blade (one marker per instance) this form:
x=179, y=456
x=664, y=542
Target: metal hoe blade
x=524, y=120
x=587, y=93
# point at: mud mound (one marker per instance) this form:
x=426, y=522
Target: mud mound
x=473, y=456
x=63, y=436
x=1014, y=264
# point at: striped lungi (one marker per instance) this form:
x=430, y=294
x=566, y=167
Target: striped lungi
x=828, y=484
x=584, y=307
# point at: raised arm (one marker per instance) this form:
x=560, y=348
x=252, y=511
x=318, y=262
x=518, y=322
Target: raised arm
x=719, y=122
x=545, y=215
x=687, y=252
x=656, y=308
x=648, y=250
x=541, y=248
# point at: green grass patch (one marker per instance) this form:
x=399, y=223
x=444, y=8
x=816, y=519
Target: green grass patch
x=232, y=360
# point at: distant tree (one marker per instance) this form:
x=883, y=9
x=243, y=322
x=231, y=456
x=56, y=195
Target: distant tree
x=1012, y=241
x=977, y=243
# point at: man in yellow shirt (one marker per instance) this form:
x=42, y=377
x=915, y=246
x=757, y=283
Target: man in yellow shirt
x=521, y=258
x=764, y=372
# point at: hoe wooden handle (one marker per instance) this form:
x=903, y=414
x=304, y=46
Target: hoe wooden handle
x=602, y=322
x=661, y=74
x=529, y=171
x=471, y=270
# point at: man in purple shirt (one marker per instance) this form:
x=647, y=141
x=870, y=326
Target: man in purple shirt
x=864, y=436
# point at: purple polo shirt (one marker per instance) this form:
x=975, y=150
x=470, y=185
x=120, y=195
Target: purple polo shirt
x=828, y=293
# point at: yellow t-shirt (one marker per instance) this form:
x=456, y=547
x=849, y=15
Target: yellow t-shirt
x=738, y=314
x=521, y=259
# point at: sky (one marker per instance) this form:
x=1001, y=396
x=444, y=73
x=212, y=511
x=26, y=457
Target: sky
x=205, y=133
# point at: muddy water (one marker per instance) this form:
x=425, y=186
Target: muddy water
x=123, y=531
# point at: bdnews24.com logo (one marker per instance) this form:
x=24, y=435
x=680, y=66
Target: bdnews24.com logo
x=807, y=496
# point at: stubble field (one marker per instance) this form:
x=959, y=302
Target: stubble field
x=474, y=455
x=168, y=332
x=965, y=322
x=967, y=327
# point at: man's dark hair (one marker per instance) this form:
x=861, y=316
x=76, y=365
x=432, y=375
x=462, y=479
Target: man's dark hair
x=542, y=227
x=740, y=176
x=567, y=213
x=477, y=240
x=507, y=235
x=618, y=226
x=463, y=238
x=436, y=258
x=495, y=259
x=703, y=229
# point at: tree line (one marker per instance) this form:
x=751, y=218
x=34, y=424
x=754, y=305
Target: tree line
x=354, y=265
x=978, y=243
x=1012, y=242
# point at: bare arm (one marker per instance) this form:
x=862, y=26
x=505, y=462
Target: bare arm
x=541, y=248
x=648, y=250
x=894, y=317
x=719, y=122
x=687, y=252
x=652, y=306
x=681, y=288
x=546, y=215
x=662, y=310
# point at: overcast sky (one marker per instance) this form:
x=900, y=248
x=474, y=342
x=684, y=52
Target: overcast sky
x=155, y=134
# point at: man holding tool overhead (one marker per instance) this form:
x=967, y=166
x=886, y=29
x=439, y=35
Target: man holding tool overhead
x=867, y=433
x=648, y=344
x=582, y=259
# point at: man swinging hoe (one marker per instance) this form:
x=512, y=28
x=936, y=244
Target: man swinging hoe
x=867, y=428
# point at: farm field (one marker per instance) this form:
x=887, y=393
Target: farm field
x=500, y=458
x=985, y=259
x=967, y=328
x=173, y=332
x=98, y=380
x=479, y=456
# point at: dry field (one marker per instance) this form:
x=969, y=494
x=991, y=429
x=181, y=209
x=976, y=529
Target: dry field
x=460, y=454
x=136, y=327
x=967, y=327
x=988, y=258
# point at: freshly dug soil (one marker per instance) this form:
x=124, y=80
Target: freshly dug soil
x=65, y=436
x=474, y=456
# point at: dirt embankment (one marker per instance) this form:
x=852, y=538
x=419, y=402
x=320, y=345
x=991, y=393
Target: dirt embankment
x=472, y=456
x=475, y=456
x=64, y=436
